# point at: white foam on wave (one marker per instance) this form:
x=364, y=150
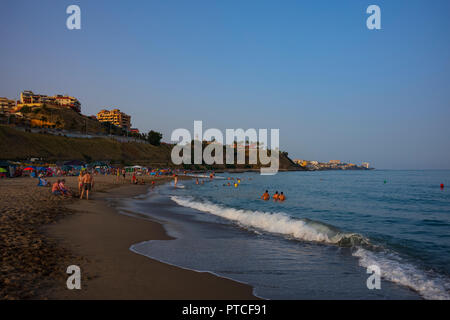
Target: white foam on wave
x=278, y=223
x=204, y=176
x=394, y=269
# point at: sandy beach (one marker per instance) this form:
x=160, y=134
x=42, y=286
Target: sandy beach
x=43, y=234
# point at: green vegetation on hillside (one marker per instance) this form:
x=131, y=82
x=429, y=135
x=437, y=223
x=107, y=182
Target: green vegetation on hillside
x=20, y=145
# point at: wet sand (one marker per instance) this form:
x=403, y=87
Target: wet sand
x=94, y=236
x=30, y=262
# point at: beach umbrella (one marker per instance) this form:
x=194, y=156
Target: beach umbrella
x=97, y=164
x=5, y=163
x=28, y=169
x=3, y=170
x=74, y=163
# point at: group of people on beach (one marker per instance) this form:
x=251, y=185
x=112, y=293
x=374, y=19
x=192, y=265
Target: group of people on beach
x=119, y=173
x=85, y=183
x=135, y=180
x=276, y=197
x=59, y=188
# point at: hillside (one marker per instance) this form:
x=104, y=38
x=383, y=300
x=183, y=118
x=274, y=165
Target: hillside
x=57, y=117
x=19, y=145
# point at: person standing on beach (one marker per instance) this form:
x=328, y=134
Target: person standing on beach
x=175, y=177
x=123, y=174
x=118, y=175
x=80, y=181
x=88, y=183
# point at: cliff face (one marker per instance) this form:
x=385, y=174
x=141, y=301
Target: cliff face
x=19, y=145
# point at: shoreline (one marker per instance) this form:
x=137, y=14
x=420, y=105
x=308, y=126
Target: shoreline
x=103, y=236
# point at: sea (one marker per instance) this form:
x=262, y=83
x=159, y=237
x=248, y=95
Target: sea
x=330, y=239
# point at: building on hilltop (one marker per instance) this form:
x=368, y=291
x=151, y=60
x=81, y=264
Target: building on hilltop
x=115, y=117
x=68, y=102
x=30, y=99
x=301, y=162
x=7, y=105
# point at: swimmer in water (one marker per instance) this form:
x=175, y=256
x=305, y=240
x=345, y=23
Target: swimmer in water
x=276, y=196
x=281, y=197
x=265, y=196
x=175, y=178
x=196, y=181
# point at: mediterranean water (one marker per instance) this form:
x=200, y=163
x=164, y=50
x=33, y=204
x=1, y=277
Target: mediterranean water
x=319, y=242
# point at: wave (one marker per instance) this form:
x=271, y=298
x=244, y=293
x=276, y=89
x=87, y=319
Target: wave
x=393, y=268
x=279, y=223
x=204, y=176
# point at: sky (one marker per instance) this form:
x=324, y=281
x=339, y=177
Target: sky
x=334, y=88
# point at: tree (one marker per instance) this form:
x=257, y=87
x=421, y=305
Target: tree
x=25, y=109
x=73, y=125
x=154, y=138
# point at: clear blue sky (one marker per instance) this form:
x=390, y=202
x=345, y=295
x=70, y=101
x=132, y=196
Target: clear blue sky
x=335, y=89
